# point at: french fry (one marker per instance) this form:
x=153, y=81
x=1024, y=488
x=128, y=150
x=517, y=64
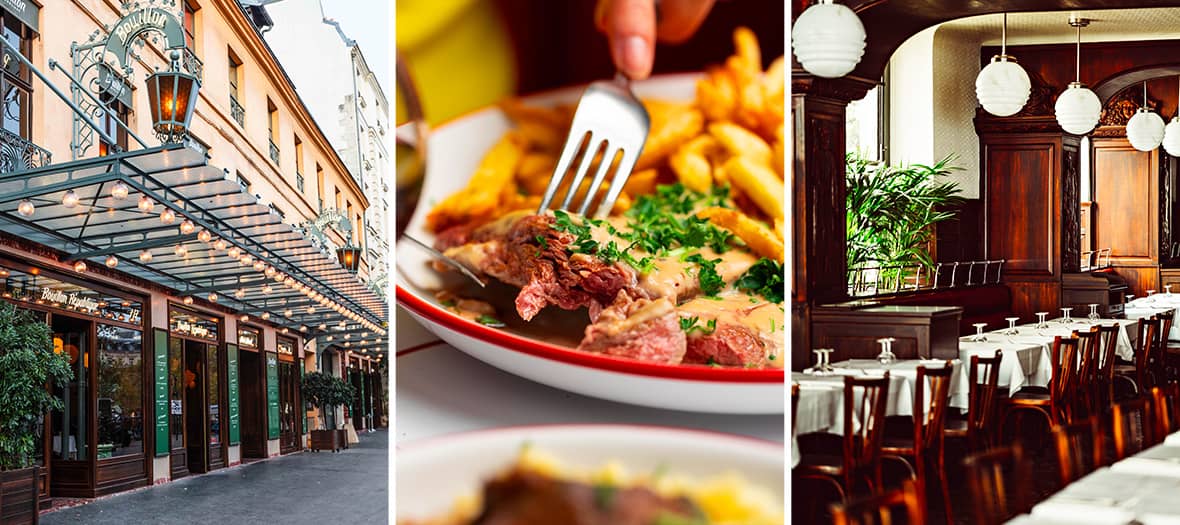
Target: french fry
x=520, y=112
x=759, y=238
x=641, y=182
x=541, y=136
x=777, y=159
x=746, y=49
x=692, y=169
x=535, y=170
x=622, y=204
x=717, y=95
x=759, y=182
x=779, y=229
x=671, y=126
x=480, y=199
x=741, y=142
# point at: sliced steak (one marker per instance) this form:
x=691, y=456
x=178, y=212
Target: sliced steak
x=643, y=329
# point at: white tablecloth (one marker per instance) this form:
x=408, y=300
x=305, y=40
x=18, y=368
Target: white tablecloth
x=1148, y=306
x=1142, y=488
x=1030, y=334
x=1026, y=363
x=441, y=390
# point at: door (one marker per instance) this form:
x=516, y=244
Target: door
x=214, y=430
x=253, y=405
x=194, y=407
x=289, y=413
x=177, y=386
x=70, y=445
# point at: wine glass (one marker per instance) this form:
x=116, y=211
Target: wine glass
x=1041, y=316
x=1093, y=312
x=979, y=337
x=1168, y=289
x=821, y=362
x=886, y=356
x=1011, y=326
x=1065, y=315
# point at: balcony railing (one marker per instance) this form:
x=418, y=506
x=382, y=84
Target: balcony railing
x=237, y=111
x=299, y=181
x=192, y=64
x=883, y=280
x=274, y=152
x=18, y=153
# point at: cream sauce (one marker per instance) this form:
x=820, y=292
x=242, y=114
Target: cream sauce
x=734, y=307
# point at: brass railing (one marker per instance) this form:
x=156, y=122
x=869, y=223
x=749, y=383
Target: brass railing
x=870, y=281
x=1095, y=259
x=18, y=153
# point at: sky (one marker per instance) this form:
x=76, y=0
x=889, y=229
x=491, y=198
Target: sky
x=370, y=23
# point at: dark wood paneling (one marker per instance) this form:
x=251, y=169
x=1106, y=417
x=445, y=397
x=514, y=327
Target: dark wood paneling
x=19, y=501
x=1030, y=297
x=961, y=238
x=119, y=474
x=1126, y=190
x=71, y=479
x=920, y=331
x=1022, y=183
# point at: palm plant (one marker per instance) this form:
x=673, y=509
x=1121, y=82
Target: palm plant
x=892, y=211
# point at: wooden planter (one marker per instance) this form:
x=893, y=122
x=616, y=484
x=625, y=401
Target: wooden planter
x=326, y=440
x=19, y=504
x=342, y=435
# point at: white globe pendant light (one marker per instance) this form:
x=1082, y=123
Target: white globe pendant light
x=1145, y=130
x=1002, y=87
x=1078, y=108
x=829, y=39
x=1172, y=136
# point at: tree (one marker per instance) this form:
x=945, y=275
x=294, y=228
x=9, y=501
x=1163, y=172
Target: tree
x=326, y=392
x=27, y=365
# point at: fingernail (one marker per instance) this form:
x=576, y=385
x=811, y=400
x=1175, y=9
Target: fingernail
x=636, y=56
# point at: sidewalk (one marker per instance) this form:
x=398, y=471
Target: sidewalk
x=348, y=487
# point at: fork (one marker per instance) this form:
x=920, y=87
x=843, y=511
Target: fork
x=610, y=119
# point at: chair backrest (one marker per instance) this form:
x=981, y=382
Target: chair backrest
x=1145, y=348
x=983, y=379
x=1079, y=448
x=1109, y=336
x=794, y=406
x=1061, y=385
x=1165, y=402
x=882, y=508
x=1087, y=370
x=930, y=405
x=999, y=482
x=1157, y=369
x=1133, y=426
x=865, y=400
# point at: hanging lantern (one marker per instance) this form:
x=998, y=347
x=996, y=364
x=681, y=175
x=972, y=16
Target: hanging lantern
x=1172, y=136
x=1145, y=130
x=349, y=257
x=1003, y=87
x=1078, y=109
x=828, y=39
x=172, y=95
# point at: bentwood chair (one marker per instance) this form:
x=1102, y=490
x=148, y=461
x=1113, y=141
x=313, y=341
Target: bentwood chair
x=865, y=401
x=1161, y=355
x=924, y=448
x=1138, y=375
x=1166, y=403
x=999, y=481
x=1079, y=449
x=794, y=406
x=1086, y=377
x=1133, y=424
x=883, y=508
x=1054, y=406
x=1104, y=392
x=983, y=378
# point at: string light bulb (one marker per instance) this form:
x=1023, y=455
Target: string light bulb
x=168, y=216
x=205, y=236
x=111, y=261
x=187, y=227
x=188, y=300
x=145, y=204
x=212, y=297
x=80, y=266
x=219, y=244
x=70, y=199
x=26, y=208
x=234, y=252
x=120, y=191
x=181, y=251
x=145, y=256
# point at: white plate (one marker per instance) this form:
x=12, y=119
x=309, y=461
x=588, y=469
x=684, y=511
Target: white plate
x=454, y=152
x=433, y=474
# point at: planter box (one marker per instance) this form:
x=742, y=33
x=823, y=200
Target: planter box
x=19, y=504
x=342, y=435
x=326, y=440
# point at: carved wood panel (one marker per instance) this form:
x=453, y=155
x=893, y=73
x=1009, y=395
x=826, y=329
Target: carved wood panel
x=1021, y=178
x=1126, y=188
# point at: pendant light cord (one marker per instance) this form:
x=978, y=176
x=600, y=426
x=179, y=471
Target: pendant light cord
x=1004, y=37
x=1077, y=65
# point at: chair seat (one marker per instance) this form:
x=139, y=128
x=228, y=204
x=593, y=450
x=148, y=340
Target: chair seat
x=1033, y=389
x=1028, y=398
x=1121, y=369
x=827, y=464
x=897, y=446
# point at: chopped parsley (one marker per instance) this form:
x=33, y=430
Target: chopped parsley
x=488, y=320
x=710, y=280
x=667, y=518
x=604, y=495
x=765, y=278
x=691, y=324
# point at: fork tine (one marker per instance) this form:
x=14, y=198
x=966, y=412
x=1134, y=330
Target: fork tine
x=626, y=164
x=592, y=148
x=568, y=152
x=608, y=158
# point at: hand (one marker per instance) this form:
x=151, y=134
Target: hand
x=632, y=28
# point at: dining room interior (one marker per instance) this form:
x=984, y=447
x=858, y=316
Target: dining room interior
x=986, y=205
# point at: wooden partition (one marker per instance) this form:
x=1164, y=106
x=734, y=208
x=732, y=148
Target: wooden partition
x=1126, y=187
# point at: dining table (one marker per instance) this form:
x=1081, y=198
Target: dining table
x=1142, y=489
x=441, y=391
x=1156, y=304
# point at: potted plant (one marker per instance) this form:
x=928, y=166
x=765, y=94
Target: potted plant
x=325, y=392
x=27, y=365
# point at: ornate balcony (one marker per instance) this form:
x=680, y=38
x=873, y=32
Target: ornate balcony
x=192, y=64
x=274, y=152
x=237, y=111
x=18, y=153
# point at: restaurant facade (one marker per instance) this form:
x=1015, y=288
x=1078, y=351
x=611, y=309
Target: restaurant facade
x=161, y=230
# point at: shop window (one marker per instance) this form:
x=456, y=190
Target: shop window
x=319, y=184
x=120, y=391
x=190, y=25
x=213, y=392
x=109, y=121
x=71, y=423
x=16, y=85
x=235, y=81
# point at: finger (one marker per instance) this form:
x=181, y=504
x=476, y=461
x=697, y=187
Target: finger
x=630, y=27
x=679, y=19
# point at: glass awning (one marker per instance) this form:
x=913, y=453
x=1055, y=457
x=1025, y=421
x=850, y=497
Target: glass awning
x=279, y=274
